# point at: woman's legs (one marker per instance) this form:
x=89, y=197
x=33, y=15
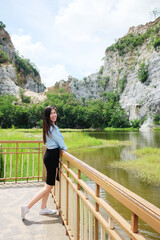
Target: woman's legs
x=44, y=200
x=43, y=193
x=51, y=167
x=45, y=197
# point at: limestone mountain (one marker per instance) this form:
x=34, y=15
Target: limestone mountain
x=15, y=71
x=131, y=67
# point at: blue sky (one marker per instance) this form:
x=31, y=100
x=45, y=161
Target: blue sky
x=69, y=37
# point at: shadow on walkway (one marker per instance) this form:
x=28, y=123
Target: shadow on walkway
x=35, y=226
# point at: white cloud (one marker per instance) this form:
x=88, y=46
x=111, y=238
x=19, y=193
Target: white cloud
x=56, y=55
x=73, y=34
x=51, y=75
x=37, y=53
x=90, y=20
x=28, y=49
x=82, y=20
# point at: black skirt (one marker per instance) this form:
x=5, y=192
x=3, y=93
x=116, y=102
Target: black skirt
x=51, y=161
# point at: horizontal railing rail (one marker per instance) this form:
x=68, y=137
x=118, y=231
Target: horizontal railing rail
x=85, y=214
x=20, y=160
x=82, y=218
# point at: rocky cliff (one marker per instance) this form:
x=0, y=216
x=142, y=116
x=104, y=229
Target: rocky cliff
x=15, y=71
x=132, y=67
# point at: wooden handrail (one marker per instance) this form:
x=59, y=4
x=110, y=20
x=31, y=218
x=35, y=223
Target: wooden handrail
x=17, y=158
x=108, y=209
x=142, y=208
x=22, y=141
x=139, y=207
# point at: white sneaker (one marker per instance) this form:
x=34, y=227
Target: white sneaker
x=24, y=211
x=47, y=211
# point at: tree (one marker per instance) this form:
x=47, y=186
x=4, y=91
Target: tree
x=2, y=25
x=155, y=13
x=7, y=109
x=143, y=72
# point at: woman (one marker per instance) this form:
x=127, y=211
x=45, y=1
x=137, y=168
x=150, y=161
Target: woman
x=54, y=141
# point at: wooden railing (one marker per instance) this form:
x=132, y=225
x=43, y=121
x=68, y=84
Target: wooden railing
x=80, y=205
x=20, y=160
x=85, y=214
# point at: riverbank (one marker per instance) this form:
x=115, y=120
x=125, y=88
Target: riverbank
x=108, y=129
x=131, y=129
x=73, y=139
x=156, y=129
x=146, y=166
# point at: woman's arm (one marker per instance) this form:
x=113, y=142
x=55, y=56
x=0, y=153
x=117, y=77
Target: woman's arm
x=58, y=139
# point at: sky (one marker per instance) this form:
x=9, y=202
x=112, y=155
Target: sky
x=69, y=37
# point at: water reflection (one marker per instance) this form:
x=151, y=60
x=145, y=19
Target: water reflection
x=139, y=139
x=99, y=158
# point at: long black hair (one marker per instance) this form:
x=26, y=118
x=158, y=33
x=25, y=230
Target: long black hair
x=47, y=122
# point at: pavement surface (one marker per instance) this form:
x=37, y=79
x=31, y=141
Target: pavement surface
x=35, y=226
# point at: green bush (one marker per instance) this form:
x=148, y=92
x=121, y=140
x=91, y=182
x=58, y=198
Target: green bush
x=143, y=72
x=156, y=43
x=3, y=57
x=135, y=123
x=25, y=99
x=7, y=109
x=72, y=113
x=2, y=25
x=25, y=66
x=85, y=80
x=105, y=81
x=131, y=42
x=156, y=119
x=101, y=70
x=122, y=83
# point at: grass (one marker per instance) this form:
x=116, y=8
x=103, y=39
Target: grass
x=131, y=129
x=72, y=139
x=20, y=134
x=156, y=129
x=77, y=130
x=80, y=140
x=146, y=166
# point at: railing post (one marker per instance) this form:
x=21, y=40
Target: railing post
x=38, y=160
x=81, y=220
x=67, y=195
x=78, y=210
x=44, y=171
x=60, y=167
x=111, y=225
x=16, y=162
x=22, y=167
x=95, y=219
x=5, y=165
x=90, y=226
x=85, y=218
x=134, y=223
x=102, y=233
x=27, y=165
x=0, y=159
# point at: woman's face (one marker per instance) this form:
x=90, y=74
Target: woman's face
x=53, y=115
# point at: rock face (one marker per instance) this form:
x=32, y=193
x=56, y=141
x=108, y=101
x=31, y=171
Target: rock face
x=120, y=73
x=16, y=72
x=8, y=79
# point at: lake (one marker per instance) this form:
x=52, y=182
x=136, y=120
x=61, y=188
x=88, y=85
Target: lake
x=99, y=158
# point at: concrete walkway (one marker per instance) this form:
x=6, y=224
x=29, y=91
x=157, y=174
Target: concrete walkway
x=35, y=226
